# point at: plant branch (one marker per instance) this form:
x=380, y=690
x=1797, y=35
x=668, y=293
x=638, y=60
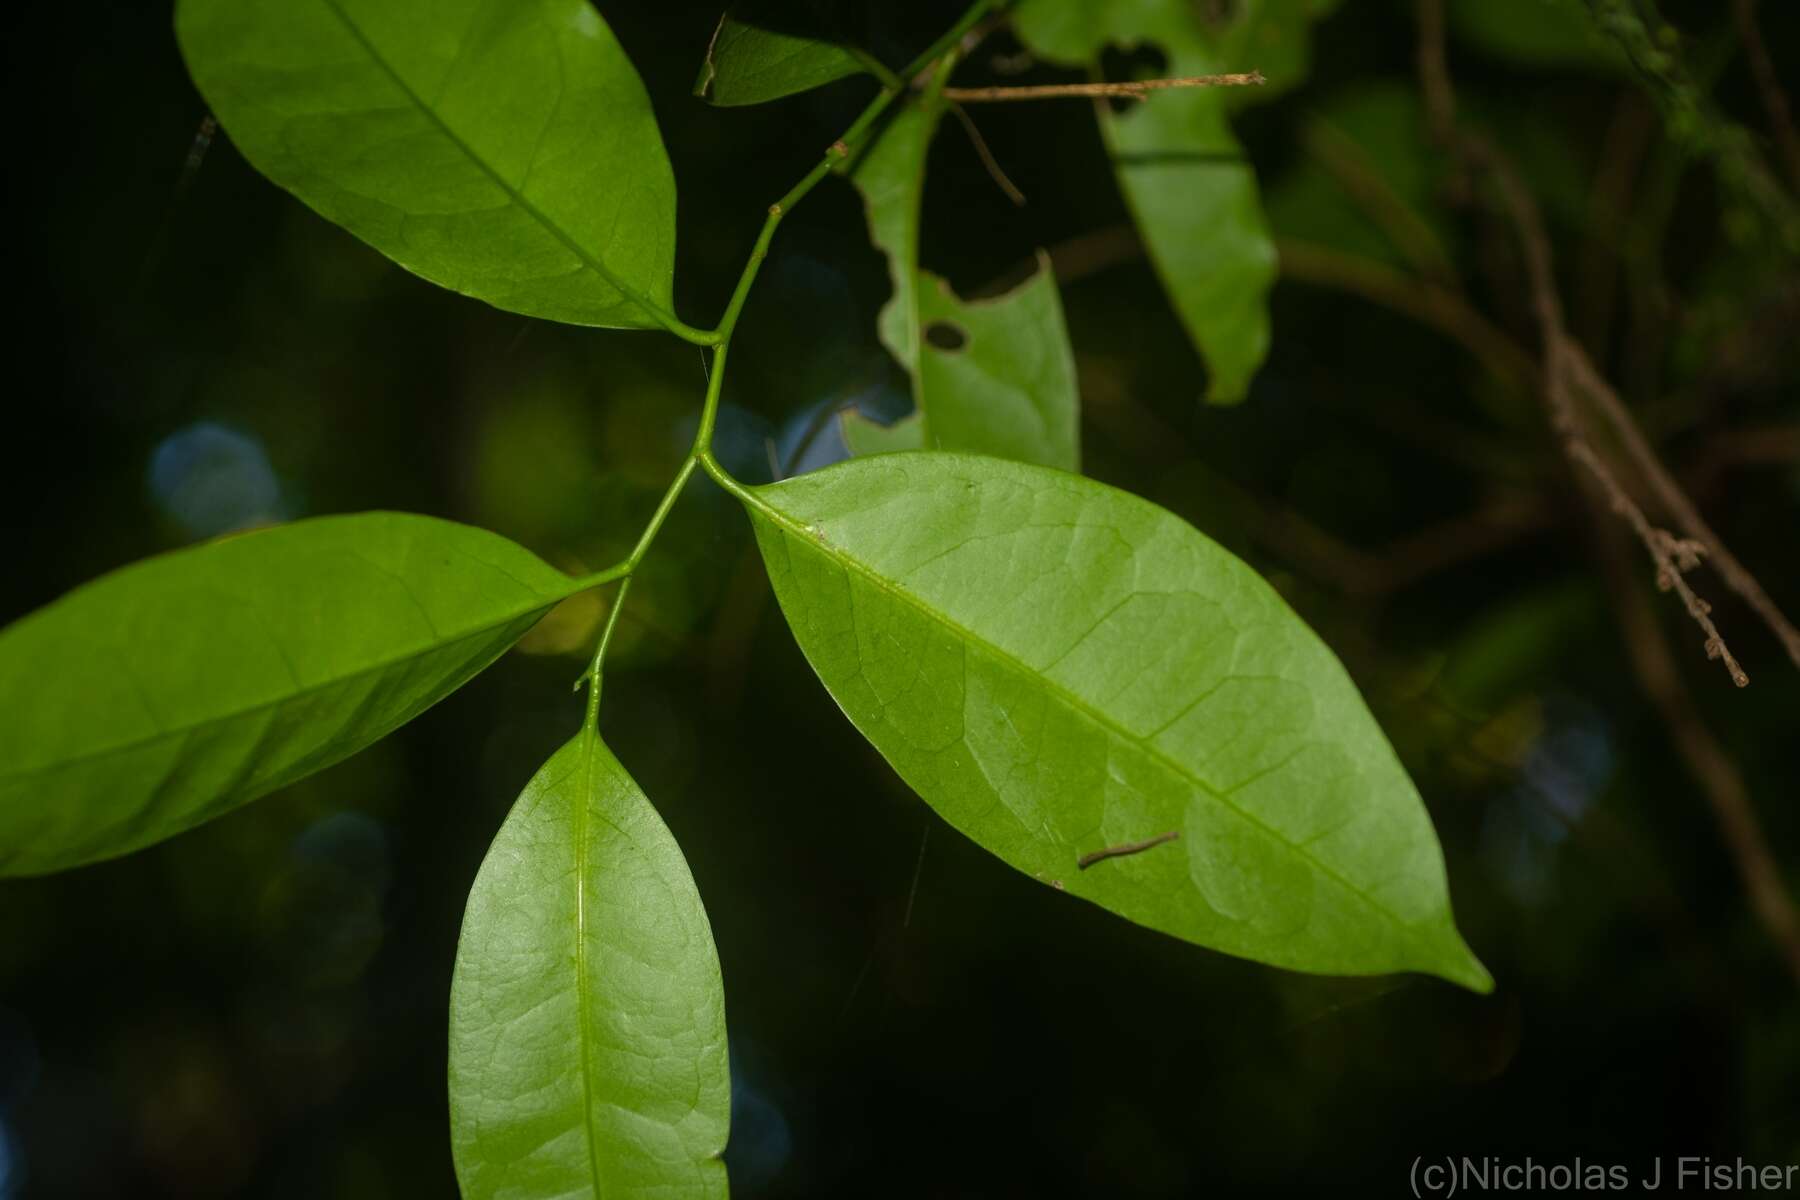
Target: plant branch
x=943, y=53
x=1657, y=670
x=1670, y=494
x=593, y=672
x=1122, y=89
x=1672, y=556
x=1707, y=761
x=1564, y=362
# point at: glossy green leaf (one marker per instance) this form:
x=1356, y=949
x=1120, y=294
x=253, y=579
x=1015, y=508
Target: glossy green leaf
x=507, y=151
x=990, y=377
x=587, y=1018
x=1061, y=668
x=1190, y=189
x=173, y=690
x=763, y=52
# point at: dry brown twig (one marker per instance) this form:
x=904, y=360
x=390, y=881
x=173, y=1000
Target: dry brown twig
x=1673, y=498
x=1565, y=368
x=1123, y=89
x=1711, y=765
x=1672, y=555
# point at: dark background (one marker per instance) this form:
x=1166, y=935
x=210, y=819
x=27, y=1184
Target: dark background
x=258, y=1008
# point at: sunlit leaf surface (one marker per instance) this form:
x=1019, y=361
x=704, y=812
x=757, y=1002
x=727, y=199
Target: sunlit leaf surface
x=506, y=151
x=587, y=1017
x=1191, y=191
x=993, y=376
x=173, y=690
x=1062, y=670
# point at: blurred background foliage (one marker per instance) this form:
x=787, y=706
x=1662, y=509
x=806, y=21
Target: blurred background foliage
x=258, y=1008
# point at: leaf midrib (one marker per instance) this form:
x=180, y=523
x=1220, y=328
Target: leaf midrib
x=799, y=532
x=584, y=801
x=599, y=267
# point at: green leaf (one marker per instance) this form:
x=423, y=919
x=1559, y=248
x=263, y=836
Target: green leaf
x=1190, y=189
x=1370, y=137
x=990, y=377
x=864, y=436
x=173, y=690
x=763, y=52
x=1061, y=668
x=506, y=151
x=587, y=1018
x=1537, y=33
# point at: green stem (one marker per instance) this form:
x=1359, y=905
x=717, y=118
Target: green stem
x=593, y=674
x=951, y=36
x=719, y=338
x=893, y=85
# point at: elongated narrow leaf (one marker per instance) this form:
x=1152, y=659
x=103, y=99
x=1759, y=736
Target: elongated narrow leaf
x=587, y=1019
x=766, y=51
x=505, y=150
x=171, y=691
x=989, y=377
x=1062, y=669
x=1190, y=188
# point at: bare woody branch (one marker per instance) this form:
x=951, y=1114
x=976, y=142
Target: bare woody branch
x=1564, y=368
x=1672, y=556
x=1125, y=89
x=1564, y=365
x=1711, y=766
x=1670, y=494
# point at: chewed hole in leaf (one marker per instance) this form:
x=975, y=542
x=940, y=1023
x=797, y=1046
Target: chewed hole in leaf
x=1143, y=61
x=947, y=336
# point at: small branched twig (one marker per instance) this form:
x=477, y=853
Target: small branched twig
x=1719, y=779
x=1565, y=364
x=1566, y=367
x=1675, y=500
x=1124, y=89
x=1125, y=848
x=1672, y=556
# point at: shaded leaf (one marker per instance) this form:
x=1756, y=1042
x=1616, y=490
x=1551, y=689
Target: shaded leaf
x=1060, y=668
x=1536, y=33
x=587, y=1017
x=173, y=690
x=1191, y=191
x=1002, y=379
x=505, y=151
x=863, y=435
x=763, y=52
x=1369, y=183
